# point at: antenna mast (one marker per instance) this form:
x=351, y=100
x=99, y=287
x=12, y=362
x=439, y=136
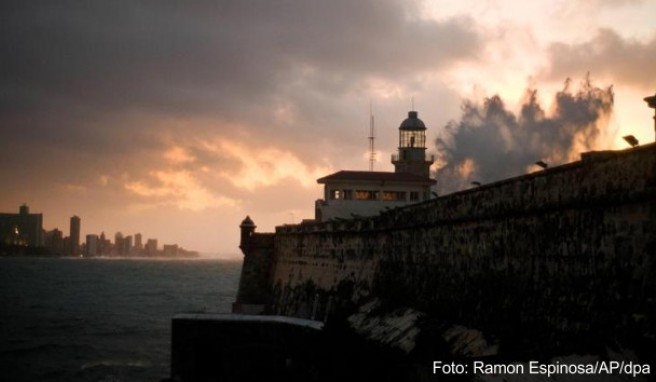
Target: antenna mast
x=372, y=137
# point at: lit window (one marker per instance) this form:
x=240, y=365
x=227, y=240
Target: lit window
x=412, y=138
x=366, y=195
x=361, y=195
x=393, y=196
x=335, y=194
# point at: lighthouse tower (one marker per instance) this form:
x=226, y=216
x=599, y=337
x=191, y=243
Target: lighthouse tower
x=411, y=158
x=353, y=194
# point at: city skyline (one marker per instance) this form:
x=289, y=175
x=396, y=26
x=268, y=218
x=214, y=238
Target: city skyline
x=186, y=118
x=24, y=230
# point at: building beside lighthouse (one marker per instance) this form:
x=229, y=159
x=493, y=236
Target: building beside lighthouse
x=349, y=194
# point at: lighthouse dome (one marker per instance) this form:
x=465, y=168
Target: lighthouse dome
x=412, y=122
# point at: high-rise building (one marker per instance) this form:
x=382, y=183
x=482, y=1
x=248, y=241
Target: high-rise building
x=151, y=247
x=75, y=236
x=92, y=247
x=104, y=245
x=118, y=244
x=127, y=245
x=138, y=243
x=23, y=228
x=54, y=241
x=170, y=250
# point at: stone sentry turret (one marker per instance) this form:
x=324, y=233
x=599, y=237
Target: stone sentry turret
x=254, y=283
x=247, y=228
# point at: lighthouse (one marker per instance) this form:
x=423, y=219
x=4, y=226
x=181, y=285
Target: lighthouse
x=411, y=157
x=352, y=194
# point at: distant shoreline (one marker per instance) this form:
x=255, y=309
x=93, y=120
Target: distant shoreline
x=42, y=252
x=23, y=251
x=57, y=257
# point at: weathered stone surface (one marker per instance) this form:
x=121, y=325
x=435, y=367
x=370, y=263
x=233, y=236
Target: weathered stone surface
x=563, y=257
x=396, y=329
x=466, y=342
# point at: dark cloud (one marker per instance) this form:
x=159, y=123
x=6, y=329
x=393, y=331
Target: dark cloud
x=490, y=143
x=629, y=62
x=96, y=76
x=207, y=58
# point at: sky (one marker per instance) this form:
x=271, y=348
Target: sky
x=177, y=119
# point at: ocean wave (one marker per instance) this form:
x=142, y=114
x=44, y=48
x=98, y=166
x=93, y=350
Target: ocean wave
x=46, y=348
x=116, y=363
x=91, y=321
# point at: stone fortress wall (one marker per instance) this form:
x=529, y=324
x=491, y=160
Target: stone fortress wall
x=565, y=252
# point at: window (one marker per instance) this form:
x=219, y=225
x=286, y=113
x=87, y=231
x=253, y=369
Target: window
x=366, y=195
x=412, y=138
x=361, y=195
x=392, y=196
x=414, y=196
x=348, y=194
x=335, y=194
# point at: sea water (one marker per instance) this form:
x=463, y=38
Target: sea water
x=101, y=319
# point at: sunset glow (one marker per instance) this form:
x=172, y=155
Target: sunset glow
x=177, y=121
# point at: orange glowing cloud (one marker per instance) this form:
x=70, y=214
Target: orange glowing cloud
x=263, y=167
x=467, y=168
x=180, y=188
x=179, y=155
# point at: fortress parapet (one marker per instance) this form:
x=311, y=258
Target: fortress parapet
x=566, y=254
